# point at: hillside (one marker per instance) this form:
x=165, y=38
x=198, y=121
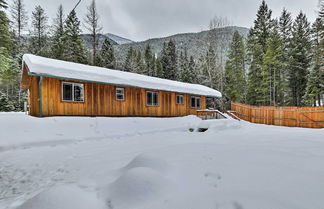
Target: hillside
x=195, y=43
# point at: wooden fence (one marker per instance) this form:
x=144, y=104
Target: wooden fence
x=307, y=117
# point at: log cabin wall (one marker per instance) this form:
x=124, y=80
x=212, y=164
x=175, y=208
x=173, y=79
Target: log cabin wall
x=100, y=100
x=33, y=97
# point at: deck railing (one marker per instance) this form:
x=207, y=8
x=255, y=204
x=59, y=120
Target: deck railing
x=210, y=114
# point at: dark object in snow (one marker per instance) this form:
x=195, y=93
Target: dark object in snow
x=202, y=129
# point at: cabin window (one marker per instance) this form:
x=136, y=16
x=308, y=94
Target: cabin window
x=195, y=102
x=180, y=99
x=152, y=98
x=120, y=94
x=72, y=92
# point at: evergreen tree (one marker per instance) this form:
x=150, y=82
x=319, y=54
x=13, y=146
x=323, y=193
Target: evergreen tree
x=300, y=59
x=183, y=65
x=39, y=40
x=5, y=104
x=5, y=40
x=315, y=82
x=285, y=27
x=258, y=90
x=273, y=66
x=138, y=63
x=235, y=70
x=19, y=18
x=92, y=25
x=57, y=49
x=74, y=48
x=159, y=68
x=189, y=73
x=169, y=61
x=107, y=56
x=129, y=64
x=3, y=4
x=149, y=60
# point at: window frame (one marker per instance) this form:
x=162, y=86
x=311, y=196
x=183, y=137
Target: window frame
x=181, y=96
x=119, y=88
x=152, y=104
x=73, y=85
x=196, y=98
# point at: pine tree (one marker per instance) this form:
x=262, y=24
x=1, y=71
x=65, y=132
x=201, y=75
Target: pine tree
x=273, y=66
x=235, y=70
x=5, y=104
x=189, y=73
x=92, y=25
x=159, y=68
x=169, y=61
x=149, y=61
x=300, y=59
x=19, y=18
x=285, y=30
x=138, y=63
x=39, y=40
x=315, y=81
x=3, y=4
x=5, y=40
x=258, y=90
x=74, y=48
x=183, y=65
x=57, y=49
x=107, y=56
x=129, y=64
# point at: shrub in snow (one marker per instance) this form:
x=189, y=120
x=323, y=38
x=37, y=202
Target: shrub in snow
x=5, y=104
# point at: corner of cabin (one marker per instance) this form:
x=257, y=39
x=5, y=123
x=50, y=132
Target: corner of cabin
x=25, y=78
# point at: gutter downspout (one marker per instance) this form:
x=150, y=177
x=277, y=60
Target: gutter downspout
x=40, y=96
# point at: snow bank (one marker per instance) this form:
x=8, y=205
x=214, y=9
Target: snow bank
x=64, y=197
x=148, y=161
x=20, y=130
x=142, y=181
x=218, y=125
x=69, y=70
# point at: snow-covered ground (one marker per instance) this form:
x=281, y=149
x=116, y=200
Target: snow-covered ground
x=156, y=163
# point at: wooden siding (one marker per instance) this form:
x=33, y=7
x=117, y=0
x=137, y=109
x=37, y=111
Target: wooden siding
x=100, y=100
x=307, y=117
x=33, y=97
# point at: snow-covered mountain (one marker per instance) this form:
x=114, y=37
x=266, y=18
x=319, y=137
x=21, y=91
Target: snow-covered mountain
x=195, y=43
x=119, y=40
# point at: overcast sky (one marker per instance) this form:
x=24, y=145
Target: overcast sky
x=142, y=19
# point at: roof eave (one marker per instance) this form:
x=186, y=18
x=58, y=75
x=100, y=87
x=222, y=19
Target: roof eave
x=116, y=84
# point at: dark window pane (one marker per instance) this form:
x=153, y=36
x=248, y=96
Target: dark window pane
x=78, y=92
x=155, y=99
x=120, y=96
x=198, y=102
x=67, y=91
x=149, y=98
x=193, y=102
x=120, y=93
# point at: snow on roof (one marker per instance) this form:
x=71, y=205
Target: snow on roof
x=46, y=67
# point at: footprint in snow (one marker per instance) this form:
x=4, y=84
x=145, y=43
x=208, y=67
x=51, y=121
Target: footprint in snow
x=213, y=177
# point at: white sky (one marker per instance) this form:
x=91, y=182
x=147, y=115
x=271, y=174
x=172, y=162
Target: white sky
x=142, y=19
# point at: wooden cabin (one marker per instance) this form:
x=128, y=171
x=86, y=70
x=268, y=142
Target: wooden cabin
x=60, y=88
